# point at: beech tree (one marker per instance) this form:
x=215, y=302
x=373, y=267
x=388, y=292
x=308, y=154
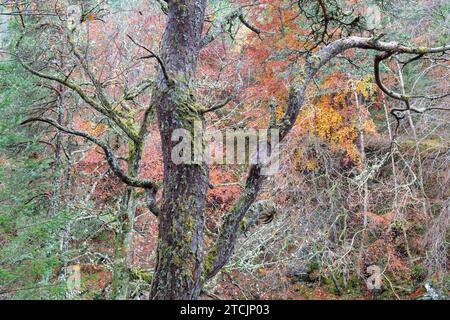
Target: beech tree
x=184, y=264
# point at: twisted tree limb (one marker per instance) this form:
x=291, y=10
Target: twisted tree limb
x=109, y=155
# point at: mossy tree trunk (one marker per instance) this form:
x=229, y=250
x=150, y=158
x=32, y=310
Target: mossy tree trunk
x=180, y=241
x=121, y=270
x=123, y=242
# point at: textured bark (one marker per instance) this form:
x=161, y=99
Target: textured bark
x=121, y=270
x=180, y=242
x=123, y=242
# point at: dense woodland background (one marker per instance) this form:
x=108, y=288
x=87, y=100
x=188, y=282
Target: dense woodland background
x=360, y=183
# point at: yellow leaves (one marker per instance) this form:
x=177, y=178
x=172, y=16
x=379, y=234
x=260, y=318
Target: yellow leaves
x=311, y=165
x=365, y=87
x=344, y=138
x=334, y=118
x=327, y=120
x=304, y=161
x=369, y=127
x=328, y=124
x=344, y=135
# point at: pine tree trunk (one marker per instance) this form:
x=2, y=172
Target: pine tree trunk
x=180, y=241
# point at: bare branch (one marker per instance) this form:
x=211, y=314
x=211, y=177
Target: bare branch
x=110, y=157
x=155, y=56
x=218, y=29
x=250, y=26
x=105, y=109
x=219, y=105
x=225, y=24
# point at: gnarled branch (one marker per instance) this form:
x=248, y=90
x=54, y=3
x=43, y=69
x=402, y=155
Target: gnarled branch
x=109, y=155
x=103, y=108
